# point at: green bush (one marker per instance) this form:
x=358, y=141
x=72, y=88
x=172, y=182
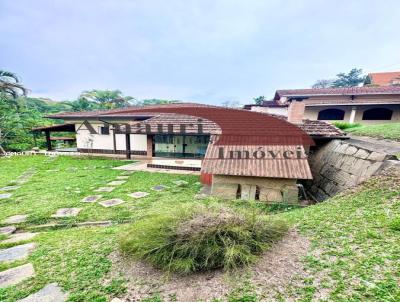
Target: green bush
x=199, y=238
x=395, y=224
x=346, y=125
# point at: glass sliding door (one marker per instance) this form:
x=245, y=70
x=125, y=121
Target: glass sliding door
x=180, y=146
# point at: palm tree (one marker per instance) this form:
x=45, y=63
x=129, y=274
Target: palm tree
x=108, y=99
x=10, y=85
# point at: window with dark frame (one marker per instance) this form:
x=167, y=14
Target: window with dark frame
x=105, y=130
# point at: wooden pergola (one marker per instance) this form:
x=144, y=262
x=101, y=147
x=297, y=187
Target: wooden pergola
x=55, y=128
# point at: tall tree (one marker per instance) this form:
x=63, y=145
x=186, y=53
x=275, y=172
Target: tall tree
x=259, y=100
x=83, y=104
x=108, y=99
x=10, y=85
x=351, y=79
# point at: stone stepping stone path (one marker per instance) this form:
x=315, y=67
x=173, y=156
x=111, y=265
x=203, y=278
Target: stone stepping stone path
x=50, y=293
x=19, y=237
x=111, y=202
x=138, y=194
x=18, y=252
x=15, y=219
x=127, y=172
x=116, y=183
x=122, y=177
x=21, y=181
x=159, y=188
x=91, y=199
x=10, y=188
x=15, y=275
x=66, y=212
x=5, y=195
x=104, y=189
x=180, y=182
x=7, y=230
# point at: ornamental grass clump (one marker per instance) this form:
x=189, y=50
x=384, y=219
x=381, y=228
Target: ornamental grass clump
x=201, y=238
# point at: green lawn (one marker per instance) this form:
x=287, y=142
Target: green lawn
x=354, y=256
x=387, y=131
x=72, y=179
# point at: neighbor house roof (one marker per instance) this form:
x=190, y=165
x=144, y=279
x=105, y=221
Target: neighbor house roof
x=384, y=78
x=343, y=91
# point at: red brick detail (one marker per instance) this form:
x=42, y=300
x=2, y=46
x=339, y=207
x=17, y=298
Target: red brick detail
x=206, y=178
x=296, y=112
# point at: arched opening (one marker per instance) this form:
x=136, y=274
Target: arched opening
x=375, y=114
x=331, y=114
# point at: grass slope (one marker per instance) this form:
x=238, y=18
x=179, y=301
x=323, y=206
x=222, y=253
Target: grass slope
x=356, y=249
x=386, y=131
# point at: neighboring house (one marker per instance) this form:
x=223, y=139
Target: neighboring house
x=383, y=78
x=365, y=105
x=244, y=154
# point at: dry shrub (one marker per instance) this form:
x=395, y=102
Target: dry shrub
x=201, y=238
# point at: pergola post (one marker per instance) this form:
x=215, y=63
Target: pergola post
x=48, y=140
x=149, y=153
x=128, y=145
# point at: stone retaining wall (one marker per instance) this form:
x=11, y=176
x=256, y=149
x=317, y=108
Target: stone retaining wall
x=341, y=164
x=269, y=189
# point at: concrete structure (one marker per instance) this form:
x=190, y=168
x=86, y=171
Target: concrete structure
x=255, y=188
x=364, y=105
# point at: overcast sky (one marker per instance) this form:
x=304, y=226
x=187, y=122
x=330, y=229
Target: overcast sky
x=207, y=51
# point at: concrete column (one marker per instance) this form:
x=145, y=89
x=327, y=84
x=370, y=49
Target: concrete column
x=353, y=115
x=149, y=146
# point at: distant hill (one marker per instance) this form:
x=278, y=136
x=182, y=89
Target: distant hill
x=44, y=105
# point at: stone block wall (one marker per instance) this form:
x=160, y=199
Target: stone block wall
x=269, y=189
x=341, y=164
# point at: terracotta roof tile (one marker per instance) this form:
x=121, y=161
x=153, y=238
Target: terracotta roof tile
x=337, y=91
x=384, y=78
x=278, y=167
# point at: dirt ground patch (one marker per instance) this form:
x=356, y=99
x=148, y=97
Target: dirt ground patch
x=276, y=269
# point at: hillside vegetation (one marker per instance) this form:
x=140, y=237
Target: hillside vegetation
x=383, y=131
x=356, y=243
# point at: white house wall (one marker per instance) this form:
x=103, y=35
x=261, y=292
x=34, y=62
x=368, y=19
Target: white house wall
x=85, y=140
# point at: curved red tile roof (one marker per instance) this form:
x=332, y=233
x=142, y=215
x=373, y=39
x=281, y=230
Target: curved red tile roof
x=238, y=127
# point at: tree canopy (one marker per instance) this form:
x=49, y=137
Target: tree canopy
x=259, y=100
x=105, y=99
x=353, y=78
x=10, y=85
